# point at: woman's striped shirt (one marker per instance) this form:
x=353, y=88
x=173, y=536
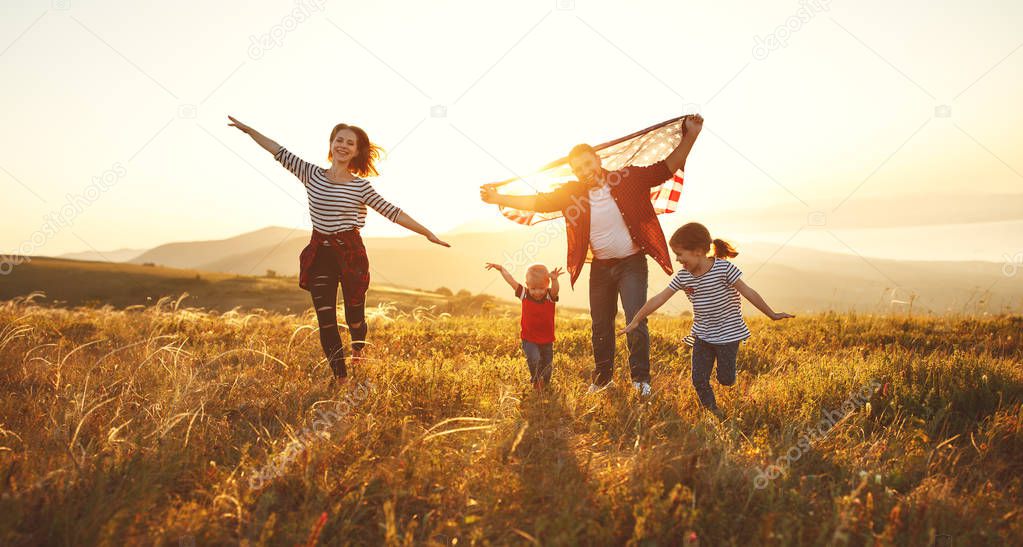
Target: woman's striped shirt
x=335, y=207
x=717, y=305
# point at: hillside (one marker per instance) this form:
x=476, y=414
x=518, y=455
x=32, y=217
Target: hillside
x=793, y=278
x=190, y=254
x=79, y=283
x=118, y=255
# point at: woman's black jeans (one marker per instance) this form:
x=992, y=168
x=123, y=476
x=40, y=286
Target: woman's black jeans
x=325, y=277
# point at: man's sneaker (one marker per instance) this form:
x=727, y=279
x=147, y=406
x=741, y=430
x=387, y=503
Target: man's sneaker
x=642, y=387
x=594, y=388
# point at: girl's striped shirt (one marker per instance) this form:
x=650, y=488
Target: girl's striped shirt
x=335, y=207
x=717, y=305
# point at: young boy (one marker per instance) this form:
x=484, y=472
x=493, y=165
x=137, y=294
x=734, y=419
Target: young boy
x=538, y=298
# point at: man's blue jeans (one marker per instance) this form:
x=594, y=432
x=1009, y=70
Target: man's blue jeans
x=624, y=278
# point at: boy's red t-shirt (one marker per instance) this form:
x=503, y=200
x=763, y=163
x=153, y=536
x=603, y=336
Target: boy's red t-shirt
x=537, y=316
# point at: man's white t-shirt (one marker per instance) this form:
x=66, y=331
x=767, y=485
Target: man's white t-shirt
x=609, y=236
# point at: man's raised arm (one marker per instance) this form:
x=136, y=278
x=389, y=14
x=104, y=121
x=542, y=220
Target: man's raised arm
x=677, y=159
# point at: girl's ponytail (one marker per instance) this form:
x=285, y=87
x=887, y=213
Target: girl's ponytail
x=694, y=236
x=723, y=249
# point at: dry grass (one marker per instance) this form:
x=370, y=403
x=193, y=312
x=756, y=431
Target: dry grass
x=148, y=425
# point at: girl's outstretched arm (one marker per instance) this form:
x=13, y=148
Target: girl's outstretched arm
x=410, y=223
x=504, y=273
x=758, y=301
x=267, y=143
x=651, y=306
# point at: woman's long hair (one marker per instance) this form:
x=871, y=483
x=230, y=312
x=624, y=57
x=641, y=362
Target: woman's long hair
x=696, y=237
x=366, y=153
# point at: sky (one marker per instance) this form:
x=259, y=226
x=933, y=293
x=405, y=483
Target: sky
x=115, y=135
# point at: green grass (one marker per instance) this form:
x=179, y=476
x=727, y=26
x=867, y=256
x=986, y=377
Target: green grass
x=148, y=425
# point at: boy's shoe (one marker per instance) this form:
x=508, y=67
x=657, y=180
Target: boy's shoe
x=643, y=388
x=594, y=388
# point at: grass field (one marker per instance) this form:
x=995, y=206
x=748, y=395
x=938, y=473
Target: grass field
x=181, y=426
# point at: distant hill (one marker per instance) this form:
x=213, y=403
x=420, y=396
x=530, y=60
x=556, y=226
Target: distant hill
x=82, y=283
x=189, y=254
x=790, y=278
x=899, y=211
x=120, y=255
x=886, y=212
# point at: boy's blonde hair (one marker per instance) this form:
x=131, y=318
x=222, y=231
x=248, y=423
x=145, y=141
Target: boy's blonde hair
x=538, y=276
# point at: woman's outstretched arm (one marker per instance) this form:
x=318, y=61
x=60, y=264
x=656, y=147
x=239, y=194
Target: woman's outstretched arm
x=267, y=143
x=410, y=223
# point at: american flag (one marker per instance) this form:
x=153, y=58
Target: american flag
x=644, y=147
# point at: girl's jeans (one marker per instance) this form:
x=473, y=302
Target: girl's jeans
x=704, y=355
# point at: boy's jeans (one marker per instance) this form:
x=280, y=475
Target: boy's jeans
x=704, y=355
x=609, y=280
x=539, y=358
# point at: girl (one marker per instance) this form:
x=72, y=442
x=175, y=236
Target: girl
x=713, y=286
x=338, y=197
x=537, y=323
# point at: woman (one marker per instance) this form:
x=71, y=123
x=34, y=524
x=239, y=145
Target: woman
x=338, y=197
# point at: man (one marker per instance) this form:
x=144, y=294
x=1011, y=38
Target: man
x=609, y=213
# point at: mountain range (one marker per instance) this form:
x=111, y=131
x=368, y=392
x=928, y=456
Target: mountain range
x=790, y=278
